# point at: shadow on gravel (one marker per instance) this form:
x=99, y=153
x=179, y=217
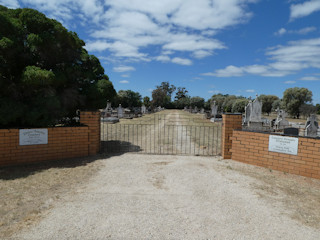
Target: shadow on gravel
x=108, y=149
x=118, y=147
x=25, y=170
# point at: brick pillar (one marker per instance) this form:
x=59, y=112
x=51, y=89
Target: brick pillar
x=229, y=123
x=92, y=120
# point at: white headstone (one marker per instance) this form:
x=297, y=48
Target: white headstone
x=143, y=109
x=256, y=108
x=281, y=121
x=120, y=111
x=247, y=113
x=311, y=126
x=214, y=109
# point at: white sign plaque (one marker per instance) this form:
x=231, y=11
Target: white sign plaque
x=33, y=136
x=280, y=144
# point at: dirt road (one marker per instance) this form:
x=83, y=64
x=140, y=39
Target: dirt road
x=174, y=197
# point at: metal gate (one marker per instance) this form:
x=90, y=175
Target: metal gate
x=168, y=132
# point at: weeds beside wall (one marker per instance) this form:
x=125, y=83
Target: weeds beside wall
x=63, y=143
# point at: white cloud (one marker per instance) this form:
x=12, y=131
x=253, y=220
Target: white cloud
x=97, y=46
x=310, y=78
x=123, y=69
x=163, y=58
x=304, y=9
x=301, y=31
x=10, y=3
x=214, y=91
x=290, y=82
x=126, y=30
x=124, y=81
x=250, y=90
x=306, y=30
x=125, y=75
x=229, y=71
x=286, y=60
x=182, y=61
x=201, y=54
x=281, y=31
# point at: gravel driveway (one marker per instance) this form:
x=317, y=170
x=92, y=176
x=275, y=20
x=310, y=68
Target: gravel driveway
x=137, y=196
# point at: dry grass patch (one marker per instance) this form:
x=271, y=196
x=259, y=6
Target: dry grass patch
x=300, y=196
x=28, y=191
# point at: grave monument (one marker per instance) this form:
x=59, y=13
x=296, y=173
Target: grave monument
x=312, y=126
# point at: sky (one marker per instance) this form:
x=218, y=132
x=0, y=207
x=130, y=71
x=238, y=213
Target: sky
x=240, y=47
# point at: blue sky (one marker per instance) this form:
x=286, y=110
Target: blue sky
x=241, y=47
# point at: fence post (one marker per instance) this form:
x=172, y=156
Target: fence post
x=230, y=122
x=92, y=120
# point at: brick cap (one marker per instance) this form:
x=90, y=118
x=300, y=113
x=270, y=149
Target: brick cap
x=96, y=111
x=232, y=114
x=274, y=133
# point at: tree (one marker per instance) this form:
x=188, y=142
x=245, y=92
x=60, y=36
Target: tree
x=239, y=105
x=294, y=98
x=181, y=93
x=318, y=108
x=128, y=99
x=219, y=99
x=182, y=102
x=197, y=102
x=160, y=98
x=146, y=101
x=228, y=103
x=307, y=109
x=45, y=73
x=267, y=101
x=165, y=86
x=277, y=104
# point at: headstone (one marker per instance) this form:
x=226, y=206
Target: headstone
x=214, y=109
x=291, y=131
x=195, y=109
x=247, y=113
x=143, y=109
x=108, y=108
x=252, y=119
x=312, y=126
x=120, y=111
x=202, y=111
x=281, y=121
x=255, y=114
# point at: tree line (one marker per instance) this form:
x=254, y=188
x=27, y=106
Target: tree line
x=295, y=101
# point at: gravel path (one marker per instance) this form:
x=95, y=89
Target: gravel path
x=167, y=197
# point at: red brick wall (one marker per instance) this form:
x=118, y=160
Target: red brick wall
x=252, y=148
x=229, y=123
x=63, y=143
x=92, y=120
